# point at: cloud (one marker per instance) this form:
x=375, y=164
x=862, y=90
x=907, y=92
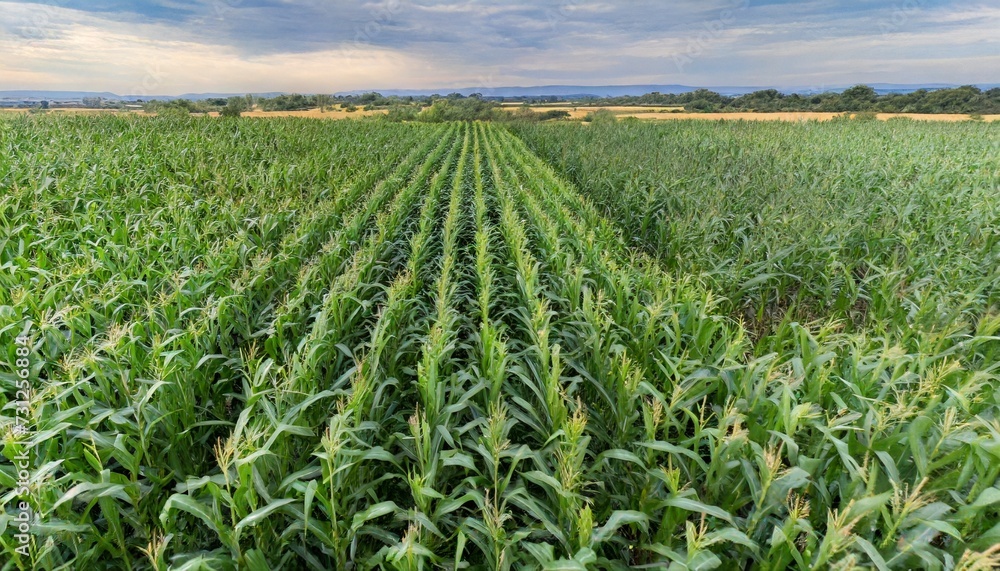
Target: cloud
x=175, y=46
x=83, y=52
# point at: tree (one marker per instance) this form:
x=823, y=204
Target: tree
x=293, y=102
x=858, y=98
x=765, y=100
x=402, y=113
x=553, y=114
x=235, y=107
x=324, y=101
x=173, y=112
x=464, y=109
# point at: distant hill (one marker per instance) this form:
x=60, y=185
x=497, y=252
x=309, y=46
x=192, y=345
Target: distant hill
x=76, y=95
x=201, y=96
x=24, y=94
x=563, y=91
x=567, y=91
x=581, y=91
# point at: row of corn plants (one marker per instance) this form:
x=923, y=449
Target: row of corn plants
x=879, y=225
x=453, y=357
x=823, y=347
x=132, y=387
x=278, y=422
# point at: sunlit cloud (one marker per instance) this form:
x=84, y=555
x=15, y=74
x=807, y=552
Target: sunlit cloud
x=181, y=46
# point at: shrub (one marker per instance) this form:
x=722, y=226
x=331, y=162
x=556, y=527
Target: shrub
x=468, y=109
x=863, y=116
x=601, y=116
x=402, y=113
x=553, y=114
x=234, y=107
x=527, y=114
x=173, y=112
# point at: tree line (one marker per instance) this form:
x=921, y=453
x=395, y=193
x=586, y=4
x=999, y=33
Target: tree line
x=456, y=107
x=967, y=99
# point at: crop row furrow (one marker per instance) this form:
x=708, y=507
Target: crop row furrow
x=319, y=366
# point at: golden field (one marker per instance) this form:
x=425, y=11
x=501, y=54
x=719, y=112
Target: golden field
x=646, y=113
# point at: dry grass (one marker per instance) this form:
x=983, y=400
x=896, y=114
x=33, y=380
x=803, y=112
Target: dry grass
x=616, y=108
x=579, y=112
x=337, y=113
x=800, y=116
x=639, y=112
x=667, y=113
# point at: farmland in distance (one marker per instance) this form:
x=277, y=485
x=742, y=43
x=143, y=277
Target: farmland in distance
x=296, y=344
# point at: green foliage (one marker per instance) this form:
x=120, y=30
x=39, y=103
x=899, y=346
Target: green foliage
x=601, y=117
x=177, y=107
x=553, y=114
x=231, y=107
x=235, y=106
x=964, y=100
x=809, y=247
x=370, y=345
x=403, y=113
x=460, y=109
x=288, y=102
x=766, y=100
x=525, y=113
x=324, y=102
x=789, y=224
x=172, y=111
x=862, y=116
x=858, y=98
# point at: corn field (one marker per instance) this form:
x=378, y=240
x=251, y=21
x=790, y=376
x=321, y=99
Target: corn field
x=284, y=344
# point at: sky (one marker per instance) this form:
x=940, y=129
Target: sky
x=170, y=47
